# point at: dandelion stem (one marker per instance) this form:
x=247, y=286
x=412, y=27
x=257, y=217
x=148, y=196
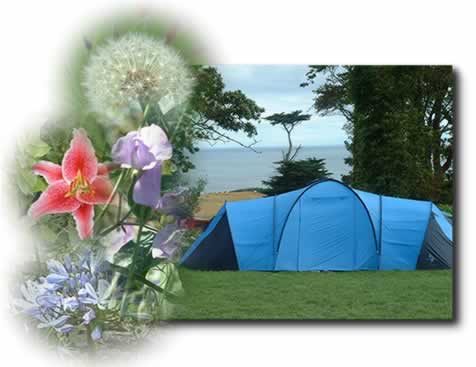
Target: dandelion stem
x=144, y=116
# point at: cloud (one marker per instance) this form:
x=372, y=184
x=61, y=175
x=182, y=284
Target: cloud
x=276, y=88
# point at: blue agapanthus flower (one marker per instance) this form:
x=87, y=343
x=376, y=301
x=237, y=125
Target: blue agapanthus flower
x=69, y=297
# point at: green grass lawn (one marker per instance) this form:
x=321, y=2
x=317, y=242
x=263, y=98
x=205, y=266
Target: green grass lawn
x=231, y=295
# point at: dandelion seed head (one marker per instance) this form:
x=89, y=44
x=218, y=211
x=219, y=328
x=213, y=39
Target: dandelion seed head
x=133, y=71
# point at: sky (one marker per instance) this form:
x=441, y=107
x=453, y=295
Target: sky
x=276, y=89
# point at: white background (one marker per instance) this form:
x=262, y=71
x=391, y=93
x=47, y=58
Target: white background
x=33, y=38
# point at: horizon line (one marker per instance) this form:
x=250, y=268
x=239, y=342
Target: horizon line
x=265, y=147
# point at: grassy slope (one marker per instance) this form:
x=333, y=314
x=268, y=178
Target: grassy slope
x=356, y=295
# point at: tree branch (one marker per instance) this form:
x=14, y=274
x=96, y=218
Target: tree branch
x=225, y=138
x=449, y=160
x=298, y=148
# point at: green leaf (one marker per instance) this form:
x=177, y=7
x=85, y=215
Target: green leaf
x=168, y=183
x=46, y=233
x=38, y=184
x=97, y=134
x=37, y=149
x=155, y=275
x=28, y=182
x=168, y=168
x=143, y=280
x=24, y=160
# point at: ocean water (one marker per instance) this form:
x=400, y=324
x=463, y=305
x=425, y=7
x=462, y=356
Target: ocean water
x=239, y=168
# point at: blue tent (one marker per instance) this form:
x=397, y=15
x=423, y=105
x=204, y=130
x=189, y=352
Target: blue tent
x=324, y=226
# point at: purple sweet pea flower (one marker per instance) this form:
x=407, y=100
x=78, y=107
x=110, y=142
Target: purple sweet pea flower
x=144, y=150
x=147, y=188
x=167, y=242
x=171, y=203
x=117, y=239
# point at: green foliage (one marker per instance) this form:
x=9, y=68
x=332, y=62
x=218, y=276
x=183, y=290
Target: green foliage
x=446, y=208
x=369, y=295
x=192, y=197
x=215, y=111
x=399, y=126
x=145, y=302
x=294, y=175
x=59, y=132
x=28, y=184
x=288, y=121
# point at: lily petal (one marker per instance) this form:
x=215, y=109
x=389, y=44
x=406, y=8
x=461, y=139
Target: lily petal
x=83, y=217
x=54, y=200
x=101, y=190
x=103, y=169
x=147, y=188
x=50, y=171
x=80, y=157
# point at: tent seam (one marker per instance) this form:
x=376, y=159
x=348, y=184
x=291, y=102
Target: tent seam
x=314, y=183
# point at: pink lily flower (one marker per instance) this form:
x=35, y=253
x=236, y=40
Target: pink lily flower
x=75, y=186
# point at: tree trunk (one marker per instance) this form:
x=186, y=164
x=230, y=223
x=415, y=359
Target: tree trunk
x=438, y=174
x=287, y=156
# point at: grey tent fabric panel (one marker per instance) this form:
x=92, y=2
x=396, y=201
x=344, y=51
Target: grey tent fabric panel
x=437, y=250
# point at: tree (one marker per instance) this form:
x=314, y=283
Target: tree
x=217, y=112
x=399, y=126
x=294, y=175
x=288, y=121
x=212, y=114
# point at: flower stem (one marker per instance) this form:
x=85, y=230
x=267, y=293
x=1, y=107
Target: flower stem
x=111, y=228
x=114, y=190
x=91, y=345
x=143, y=280
x=138, y=224
x=130, y=275
x=119, y=209
x=38, y=257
